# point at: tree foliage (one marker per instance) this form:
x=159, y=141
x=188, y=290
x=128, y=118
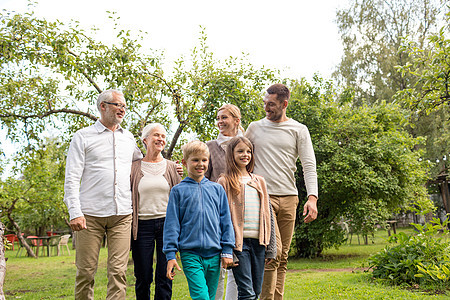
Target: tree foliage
x=33, y=196
x=372, y=32
x=429, y=99
x=52, y=72
x=31, y=199
x=366, y=164
x=430, y=66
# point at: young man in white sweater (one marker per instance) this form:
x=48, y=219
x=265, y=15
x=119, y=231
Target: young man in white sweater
x=279, y=141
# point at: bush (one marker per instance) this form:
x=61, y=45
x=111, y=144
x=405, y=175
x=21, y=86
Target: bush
x=422, y=259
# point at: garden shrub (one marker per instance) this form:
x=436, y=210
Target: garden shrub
x=418, y=259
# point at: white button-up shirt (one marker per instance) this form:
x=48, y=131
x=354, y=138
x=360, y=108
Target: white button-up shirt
x=98, y=166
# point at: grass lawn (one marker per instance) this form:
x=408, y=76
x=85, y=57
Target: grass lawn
x=335, y=276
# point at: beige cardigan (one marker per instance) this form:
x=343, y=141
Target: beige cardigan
x=171, y=175
x=266, y=220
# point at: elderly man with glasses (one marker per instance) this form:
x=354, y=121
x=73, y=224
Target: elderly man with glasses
x=98, y=196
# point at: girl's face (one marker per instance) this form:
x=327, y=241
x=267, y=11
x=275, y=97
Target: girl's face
x=242, y=155
x=226, y=123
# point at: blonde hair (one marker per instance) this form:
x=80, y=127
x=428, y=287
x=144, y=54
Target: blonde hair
x=194, y=147
x=234, y=112
x=232, y=174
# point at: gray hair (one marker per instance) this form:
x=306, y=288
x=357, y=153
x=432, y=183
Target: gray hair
x=108, y=96
x=148, y=129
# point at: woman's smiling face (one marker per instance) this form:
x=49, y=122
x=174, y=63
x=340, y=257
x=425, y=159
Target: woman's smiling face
x=226, y=123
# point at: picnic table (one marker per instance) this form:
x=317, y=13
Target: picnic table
x=44, y=241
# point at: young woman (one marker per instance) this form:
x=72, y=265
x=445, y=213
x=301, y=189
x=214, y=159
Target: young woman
x=229, y=125
x=251, y=214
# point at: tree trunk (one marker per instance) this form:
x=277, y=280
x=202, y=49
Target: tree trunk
x=21, y=238
x=174, y=140
x=2, y=261
x=445, y=195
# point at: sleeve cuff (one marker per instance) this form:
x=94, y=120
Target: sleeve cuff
x=227, y=250
x=226, y=255
x=313, y=194
x=75, y=214
x=170, y=256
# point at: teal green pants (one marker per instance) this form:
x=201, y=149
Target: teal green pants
x=202, y=275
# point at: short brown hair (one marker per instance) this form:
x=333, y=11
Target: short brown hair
x=194, y=147
x=280, y=90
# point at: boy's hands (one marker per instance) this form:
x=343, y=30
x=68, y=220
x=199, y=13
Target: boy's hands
x=228, y=263
x=171, y=264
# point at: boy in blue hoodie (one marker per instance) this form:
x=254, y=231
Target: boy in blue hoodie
x=198, y=224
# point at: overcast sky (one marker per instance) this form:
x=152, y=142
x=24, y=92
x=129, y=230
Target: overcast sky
x=298, y=37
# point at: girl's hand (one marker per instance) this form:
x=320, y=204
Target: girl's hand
x=171, y=264
x=268, y=260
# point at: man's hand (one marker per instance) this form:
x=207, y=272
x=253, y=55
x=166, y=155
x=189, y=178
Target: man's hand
x=78, y=224
x=179, y=168
x=171, y=264
x=228, y=263
x=310, y=208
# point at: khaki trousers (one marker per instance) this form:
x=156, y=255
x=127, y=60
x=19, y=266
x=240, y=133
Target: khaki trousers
x=284, y=208
x=88, y=243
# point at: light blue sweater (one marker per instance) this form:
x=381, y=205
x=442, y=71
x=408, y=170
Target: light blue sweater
x=198, y=220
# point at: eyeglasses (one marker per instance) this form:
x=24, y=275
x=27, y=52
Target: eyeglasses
x=119, y=105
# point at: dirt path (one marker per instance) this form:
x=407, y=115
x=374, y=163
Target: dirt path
x=352, y=270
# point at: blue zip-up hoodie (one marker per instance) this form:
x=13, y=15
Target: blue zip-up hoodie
x=198, y=220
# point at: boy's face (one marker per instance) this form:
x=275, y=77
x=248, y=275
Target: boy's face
x=196, y=165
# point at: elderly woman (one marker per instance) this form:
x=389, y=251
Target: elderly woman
x=229, y=125
x=151, y=181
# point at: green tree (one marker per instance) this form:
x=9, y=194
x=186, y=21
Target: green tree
x=202, y=84
x=430, y=66
x=31, y=199
x=366, y=164
x=428, y=99
x=372, y=32
x=52, y=72
x=40, y=176
x=43, y=169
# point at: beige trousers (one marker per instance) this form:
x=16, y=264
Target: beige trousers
x=284, y=208
x=88, y=242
